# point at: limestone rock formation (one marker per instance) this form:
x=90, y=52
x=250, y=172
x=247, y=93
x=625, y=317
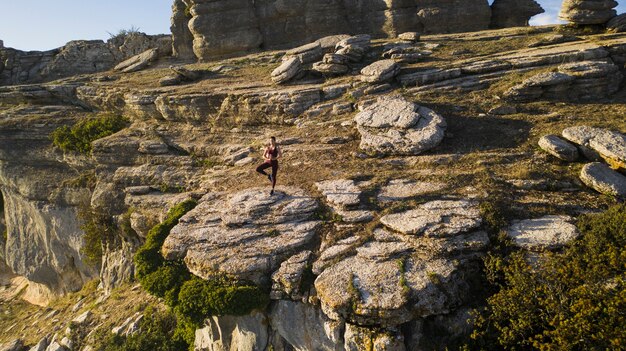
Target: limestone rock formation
x=548, y=232
x=588, y=11
x=380, y=71
x=344, y=196
x=395, y=126
x=18, y=67
x=617, y=24
x=559, y=148
x=182, y=39
x=513, y=13
x=609, y=145
x=603, y=179
x=229, y=27
x=138, y=62
x=436, y=219
x=586, y=80
x=287, y=71
x=247, y=234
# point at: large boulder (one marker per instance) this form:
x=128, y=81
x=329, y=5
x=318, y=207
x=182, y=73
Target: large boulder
x=513, y=13
x=603, y=179
x=588, y=11
x=380, y=71
x=247, y=234
x=287, y=71
x=394, y=126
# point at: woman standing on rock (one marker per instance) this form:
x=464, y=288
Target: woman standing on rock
x=271, y=155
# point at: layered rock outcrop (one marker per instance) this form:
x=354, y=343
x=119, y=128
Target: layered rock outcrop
x=222, y=28
x=588, y=11
x=513, y=13
x=76, y=57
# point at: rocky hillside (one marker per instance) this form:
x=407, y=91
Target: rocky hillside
x=405, y=161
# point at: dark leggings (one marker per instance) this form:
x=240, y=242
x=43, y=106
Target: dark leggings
x=274, y=164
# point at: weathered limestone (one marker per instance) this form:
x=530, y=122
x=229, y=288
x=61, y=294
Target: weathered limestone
x=394, y=126
x=229, y=27
x=594, y=142
x=545, y=233
x=343, y=196
x=410, y=37
x=233, y=333
x=436, y=219
x=617, y=24
x=139, y=62
x=586, y=80
x=380, y=71
x=314, y=330
x=247, y=234
x=603, y=179
x=182, y=38
x=588, y=11
x=401, y=189
x=513, y=13
x=287, y=71
x=308, y=53
x=289, y=280
x=559, y=148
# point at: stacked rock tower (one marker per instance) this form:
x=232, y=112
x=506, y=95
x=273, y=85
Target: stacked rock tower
x=588, y=11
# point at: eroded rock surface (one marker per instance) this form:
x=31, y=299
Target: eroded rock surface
x=549, y=232
x=394, y=126
x=593, y=142
x=513, y=13
x=559, y=148
x=246, y=234
x=588, y=11
x=603, y=179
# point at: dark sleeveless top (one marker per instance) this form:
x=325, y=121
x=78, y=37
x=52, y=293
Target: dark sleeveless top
x=274, y=152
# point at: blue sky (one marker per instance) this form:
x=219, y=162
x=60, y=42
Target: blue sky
x=47, y=24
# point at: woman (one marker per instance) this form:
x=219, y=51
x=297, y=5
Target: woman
x=271, y=155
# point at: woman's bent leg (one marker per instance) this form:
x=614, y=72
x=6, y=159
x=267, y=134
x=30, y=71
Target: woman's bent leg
x=262, y=167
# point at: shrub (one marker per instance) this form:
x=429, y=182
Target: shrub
x=98, y=230
x=200, y=298
x=148, y=258
x=79, y=137
x=572, y=300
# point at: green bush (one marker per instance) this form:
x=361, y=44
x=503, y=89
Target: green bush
x=148, y=258
x=79, y=137
x=574, y=300
x=98, y=230
x=200, y=298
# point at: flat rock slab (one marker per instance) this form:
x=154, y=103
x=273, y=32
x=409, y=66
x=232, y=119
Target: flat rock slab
x=394, y=126
x=341, y=193
x=603, y=179
x=440, y=218
x=247, y=234
x=559, y=148
x=549, y=232
x=402, y=189
x=138, y=62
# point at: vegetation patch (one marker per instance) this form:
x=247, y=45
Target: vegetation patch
x=79, y=137
x=191, y=298
x=572, y=300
